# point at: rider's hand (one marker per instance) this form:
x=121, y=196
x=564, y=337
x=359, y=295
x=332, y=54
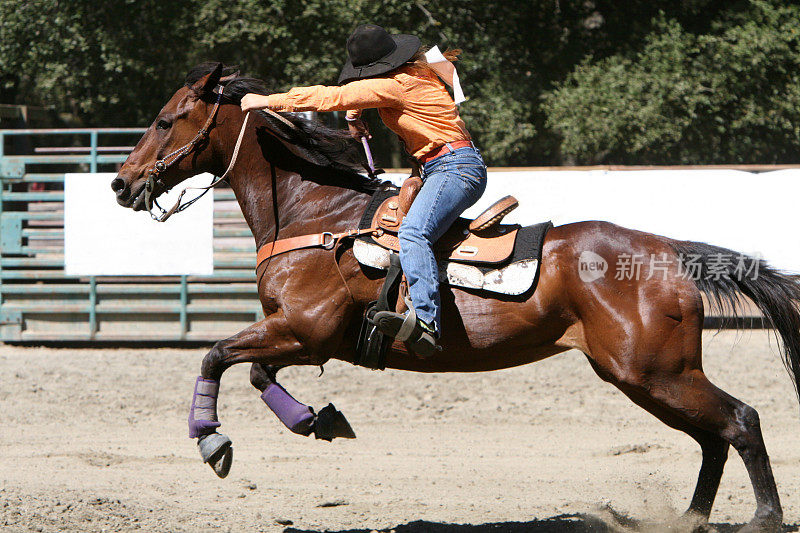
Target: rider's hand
x=252, y=102
x=358, y=129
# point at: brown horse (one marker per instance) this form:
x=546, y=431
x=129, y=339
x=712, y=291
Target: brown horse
x=642, y=333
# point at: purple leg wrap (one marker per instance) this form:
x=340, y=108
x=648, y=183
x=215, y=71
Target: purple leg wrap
x=296, y=416
x=203, y=414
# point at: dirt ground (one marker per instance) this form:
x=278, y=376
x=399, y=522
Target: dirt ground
x=95, y=440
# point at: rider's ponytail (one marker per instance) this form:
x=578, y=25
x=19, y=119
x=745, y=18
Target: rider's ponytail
x=418, y=59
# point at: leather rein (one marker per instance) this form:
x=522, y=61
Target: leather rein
x=326, y=240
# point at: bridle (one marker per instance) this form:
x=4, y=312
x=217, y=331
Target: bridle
x=175, y=156
x=172, y=158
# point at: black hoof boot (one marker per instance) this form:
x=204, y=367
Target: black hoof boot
x=216, y=450
x=331, y=423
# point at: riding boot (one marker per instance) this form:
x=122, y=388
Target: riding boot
x=409, y=328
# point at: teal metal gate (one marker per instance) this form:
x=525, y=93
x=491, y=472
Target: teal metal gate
x=39, y=302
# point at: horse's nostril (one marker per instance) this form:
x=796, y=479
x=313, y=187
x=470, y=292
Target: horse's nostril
x=118, y=184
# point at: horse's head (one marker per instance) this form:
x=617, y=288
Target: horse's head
x=183, y=141
x=173, y=147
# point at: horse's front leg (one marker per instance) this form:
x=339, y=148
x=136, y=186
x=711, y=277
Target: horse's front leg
x=268, y=342
x=328, y=424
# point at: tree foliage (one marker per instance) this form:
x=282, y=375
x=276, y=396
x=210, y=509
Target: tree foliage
x=728, y=95
x=103, y=63
x=548, y=81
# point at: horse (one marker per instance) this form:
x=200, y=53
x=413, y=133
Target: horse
x=295, y=177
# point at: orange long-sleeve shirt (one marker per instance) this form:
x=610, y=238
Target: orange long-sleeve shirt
x=412, y=101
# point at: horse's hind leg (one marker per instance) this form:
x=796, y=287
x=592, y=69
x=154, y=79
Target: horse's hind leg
x=715, y=453
x=674, y=388
x=697, y=400
x=714, y=447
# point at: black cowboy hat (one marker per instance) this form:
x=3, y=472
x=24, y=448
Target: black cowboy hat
x=371, y=51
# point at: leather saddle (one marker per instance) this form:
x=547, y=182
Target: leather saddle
x=482, y=240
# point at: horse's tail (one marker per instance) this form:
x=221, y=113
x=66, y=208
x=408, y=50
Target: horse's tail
x=724, y=276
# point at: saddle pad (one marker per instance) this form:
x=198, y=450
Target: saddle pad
x=517, y=275
x=378, y=198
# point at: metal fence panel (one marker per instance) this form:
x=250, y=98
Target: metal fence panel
x=39, y=302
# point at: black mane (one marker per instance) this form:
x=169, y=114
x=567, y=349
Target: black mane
x=329, y=156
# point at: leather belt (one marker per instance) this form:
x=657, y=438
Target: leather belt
x=442, y=150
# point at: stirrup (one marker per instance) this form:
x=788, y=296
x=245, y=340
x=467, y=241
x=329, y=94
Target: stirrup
x=407, y=328
x=372, y=345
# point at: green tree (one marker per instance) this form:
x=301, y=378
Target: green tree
x=729, y=95
x=548, y=81
x=101, y=63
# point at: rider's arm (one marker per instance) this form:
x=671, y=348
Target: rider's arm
x=356, y=95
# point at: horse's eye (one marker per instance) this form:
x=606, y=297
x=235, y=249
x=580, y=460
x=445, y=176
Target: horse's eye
x=163, y=125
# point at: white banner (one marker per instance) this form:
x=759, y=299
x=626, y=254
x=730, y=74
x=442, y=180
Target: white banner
x=756, y=214
x=102, y=238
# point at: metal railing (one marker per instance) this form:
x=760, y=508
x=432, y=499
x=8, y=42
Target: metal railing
x=39, y=302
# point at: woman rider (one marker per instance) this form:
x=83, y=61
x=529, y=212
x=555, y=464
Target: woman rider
x=389, y=72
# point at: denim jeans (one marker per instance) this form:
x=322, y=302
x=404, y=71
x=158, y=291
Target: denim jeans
x=450, y=184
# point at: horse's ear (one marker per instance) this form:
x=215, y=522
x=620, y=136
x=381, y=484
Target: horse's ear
x=206, y=84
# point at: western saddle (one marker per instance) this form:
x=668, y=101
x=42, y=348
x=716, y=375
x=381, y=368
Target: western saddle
x=482, y=240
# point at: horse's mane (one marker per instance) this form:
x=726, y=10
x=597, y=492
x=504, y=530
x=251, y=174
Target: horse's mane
x=335, y=152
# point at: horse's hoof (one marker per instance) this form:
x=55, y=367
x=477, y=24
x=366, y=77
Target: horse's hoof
x=769, y=524
x=222, y=466
x=216, y=450
x=331, y=424
x=695, y=522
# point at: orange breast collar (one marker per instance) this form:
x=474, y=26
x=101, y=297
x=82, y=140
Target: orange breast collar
x=326, y=240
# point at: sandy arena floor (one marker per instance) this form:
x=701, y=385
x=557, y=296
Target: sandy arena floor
x=95, y=440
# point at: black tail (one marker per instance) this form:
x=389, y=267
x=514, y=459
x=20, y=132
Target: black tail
x=724, y=276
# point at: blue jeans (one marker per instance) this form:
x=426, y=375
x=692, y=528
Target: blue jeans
x=450, y=184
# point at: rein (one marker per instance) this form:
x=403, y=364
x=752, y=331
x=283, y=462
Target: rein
x=326, y=240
